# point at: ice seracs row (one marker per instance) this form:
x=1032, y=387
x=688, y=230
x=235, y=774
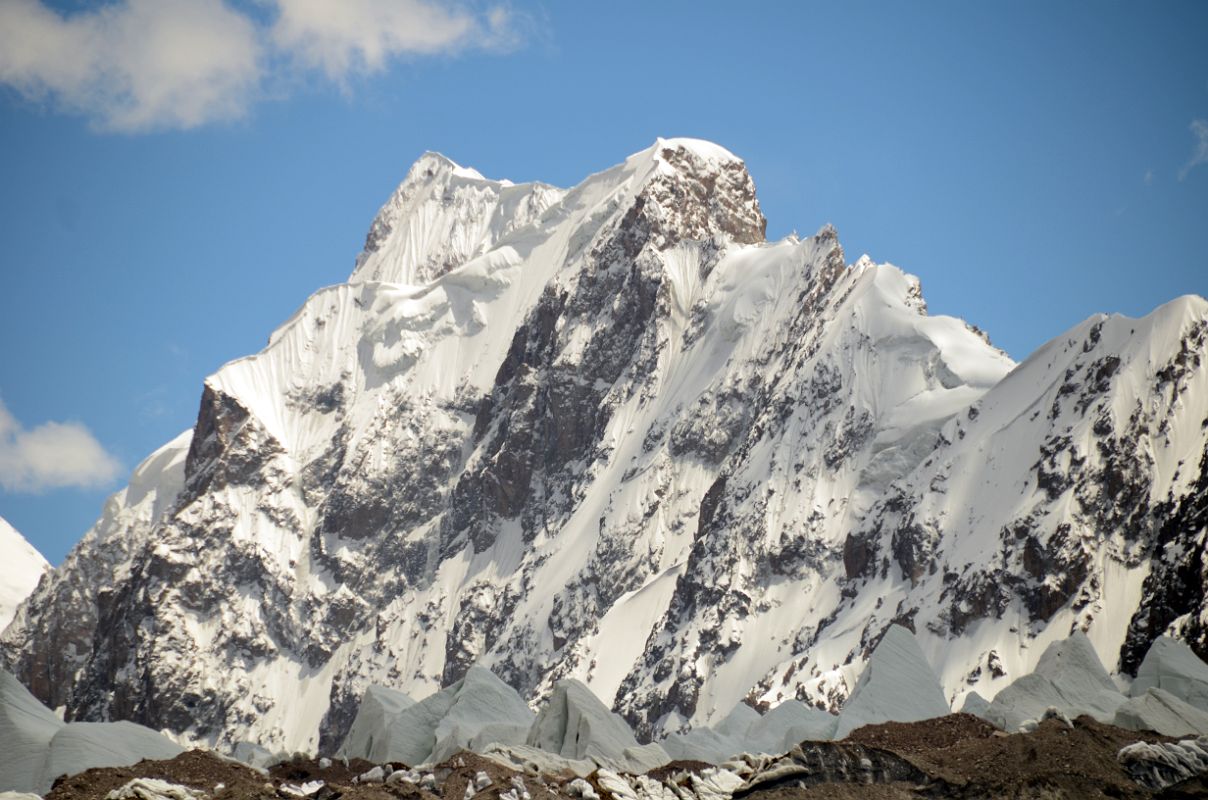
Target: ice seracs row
x=482, y=714
x=575, y=731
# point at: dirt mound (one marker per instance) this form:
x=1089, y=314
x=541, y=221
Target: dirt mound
x=1055, y=760
x=224, y=779
x=960, y=756
x=671, y=768
x=301, y=770
x=1187, y=790
x=931, y=734
x=462, y=770
x=196, y=769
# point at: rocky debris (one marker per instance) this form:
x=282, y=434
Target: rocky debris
x=815, y=763
x=36, y=746
x=958, y=756
x=308, y=789
x=1069, y=678
x=930, y=735
x=535, y=761
x=897, y=684
x=574, y=724
x=1160, y=711
x=1157, y=765
x=474, y=712
x=211, y=776
x=153, y=789
x=1174, y=667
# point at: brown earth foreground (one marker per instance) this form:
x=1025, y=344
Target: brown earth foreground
x=957, y=756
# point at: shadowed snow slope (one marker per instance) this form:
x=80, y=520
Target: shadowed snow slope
x=1171, y=665
x=574, y=724
x=476, y=711
x=718, y=743
x=613, y=434
x=896, y=685
x=975, y=704
x=20, y=570
x=786, y=725
x=36, y=746
x=379, y=706
x=1068, y=677
x=26, y=729
x=1159, y=710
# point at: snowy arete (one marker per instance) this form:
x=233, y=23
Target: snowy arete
x=613, y=434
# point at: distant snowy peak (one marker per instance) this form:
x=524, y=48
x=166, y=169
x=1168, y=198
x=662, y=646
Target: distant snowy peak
x=21, y=567
x=612, y=434
x=442, y=215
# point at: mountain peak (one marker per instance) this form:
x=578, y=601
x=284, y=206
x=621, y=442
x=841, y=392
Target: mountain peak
x=433, y=163
x=442, y=215
x=704, y=149
x=702, y=190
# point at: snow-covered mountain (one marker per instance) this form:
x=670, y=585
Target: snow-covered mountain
x=21, y=567
x=614, y=434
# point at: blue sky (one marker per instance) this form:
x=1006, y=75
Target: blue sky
x=1033, y=163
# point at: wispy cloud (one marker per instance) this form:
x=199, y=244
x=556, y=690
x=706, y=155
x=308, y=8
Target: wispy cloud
x=363, y=36
x=140, y=65
x=1199, y=129
x=135, y=65
x=52, y=455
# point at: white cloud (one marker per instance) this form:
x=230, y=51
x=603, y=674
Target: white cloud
x=139, y=65
x=134, y=65
x=51, y=456
x=1199, y=129
x=357, y=36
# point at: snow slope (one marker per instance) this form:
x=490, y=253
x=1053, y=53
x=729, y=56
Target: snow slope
x=897, y=685
x=36, y=747
x=612, y=434
x=21, y=567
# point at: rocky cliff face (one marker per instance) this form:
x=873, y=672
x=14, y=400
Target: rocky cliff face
x=612, y=433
